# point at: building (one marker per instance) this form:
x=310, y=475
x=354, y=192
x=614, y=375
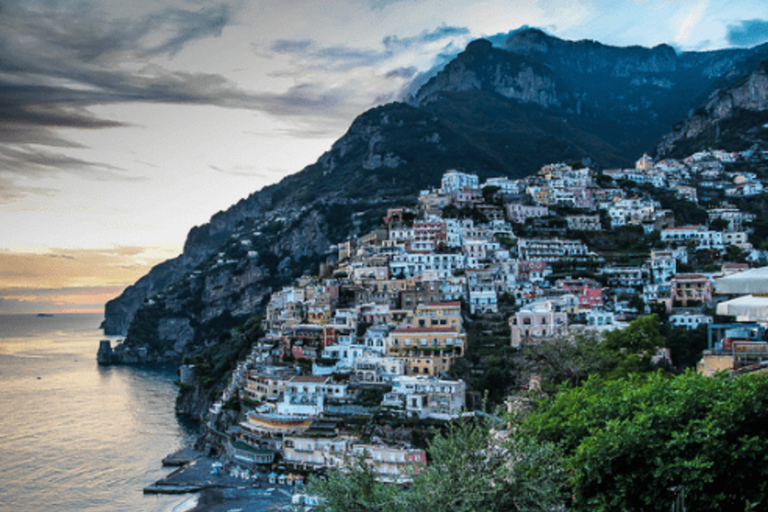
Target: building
x=551, y=250
x=663, y=265
x=583, y=223
x=588, y=292
x=316, y=452
x=481, y=291
x=426, y=350
x=265, y=384
x=453, y=181
x=536, y=322
x=391, y=463
x=689, y=320
x=519, y=213
x=691, y=290
x=427, y=397
x=736, y=219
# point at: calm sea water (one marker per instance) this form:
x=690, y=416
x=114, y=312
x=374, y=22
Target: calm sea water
x=75, y=436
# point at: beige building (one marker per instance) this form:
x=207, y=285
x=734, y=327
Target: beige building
x=316, y=452
x=534, y=325
x=690, y=289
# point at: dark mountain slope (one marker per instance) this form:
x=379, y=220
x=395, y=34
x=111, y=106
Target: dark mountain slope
x=494, y=112
x=735, y=119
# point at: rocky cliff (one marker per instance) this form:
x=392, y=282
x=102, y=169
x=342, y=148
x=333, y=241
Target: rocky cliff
x=735, y=118
x=492, y=111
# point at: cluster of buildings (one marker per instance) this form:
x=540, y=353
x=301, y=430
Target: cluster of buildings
x=382, y=331
x=705, y=169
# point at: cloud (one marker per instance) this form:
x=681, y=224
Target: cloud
x=60, y=268
x=71, y=280
x=188, y=26
x=345, y=58
x=87, y=299
x=438, y=34
x=58, y=60
x=404, y=73
x=748, y=33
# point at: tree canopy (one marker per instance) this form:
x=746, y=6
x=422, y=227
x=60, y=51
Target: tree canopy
x=636, y=444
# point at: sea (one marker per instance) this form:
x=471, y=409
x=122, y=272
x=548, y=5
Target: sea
x=75, y=436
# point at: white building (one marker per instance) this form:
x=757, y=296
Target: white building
x=481, y=291
x=689, y=320
x=506, y=185
x=305, y=395
x=704, y=238
x=453, y=181
x=550, y=250
x=663, y=266
x=427, y=397
x=414, y=264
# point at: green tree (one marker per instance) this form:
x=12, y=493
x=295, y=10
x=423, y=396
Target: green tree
x=356, y=489
x=636, y=444
x=566, y=360
x=472, y=468
x=634, y=346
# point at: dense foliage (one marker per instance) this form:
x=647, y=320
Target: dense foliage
x=638, y=443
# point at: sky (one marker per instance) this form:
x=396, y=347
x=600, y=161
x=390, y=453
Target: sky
x=125, y=124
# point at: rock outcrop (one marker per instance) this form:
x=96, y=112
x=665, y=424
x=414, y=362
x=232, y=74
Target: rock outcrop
x=737, y=114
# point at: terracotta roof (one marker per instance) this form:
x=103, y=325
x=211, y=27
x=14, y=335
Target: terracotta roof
x=690, y=276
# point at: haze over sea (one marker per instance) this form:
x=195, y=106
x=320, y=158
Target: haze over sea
x=75, y=436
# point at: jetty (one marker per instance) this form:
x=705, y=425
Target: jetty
x=182, y=457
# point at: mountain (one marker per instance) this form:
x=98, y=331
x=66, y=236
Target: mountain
x=491, y=111
x=735, y=118
x=624, y=97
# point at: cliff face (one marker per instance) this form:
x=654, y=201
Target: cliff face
x=735, y=117
x=492, y=111
x=628, y=96
x=483, y=67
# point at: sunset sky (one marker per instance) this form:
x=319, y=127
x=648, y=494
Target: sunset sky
x=123, y=124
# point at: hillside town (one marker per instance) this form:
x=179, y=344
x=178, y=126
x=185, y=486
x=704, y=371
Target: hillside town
x=379, y=334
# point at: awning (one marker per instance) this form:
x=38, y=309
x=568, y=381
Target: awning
x=751, y=281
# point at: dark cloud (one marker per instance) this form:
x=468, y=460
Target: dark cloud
x=342, y=58
x=11, y=190
x=440, y=33
x=748, y=33
x=58, y=61
x=189, y=26
x=291, y=46
x=405, y=73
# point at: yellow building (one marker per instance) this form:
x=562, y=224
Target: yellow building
x=445, y=315
x=426, y=350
